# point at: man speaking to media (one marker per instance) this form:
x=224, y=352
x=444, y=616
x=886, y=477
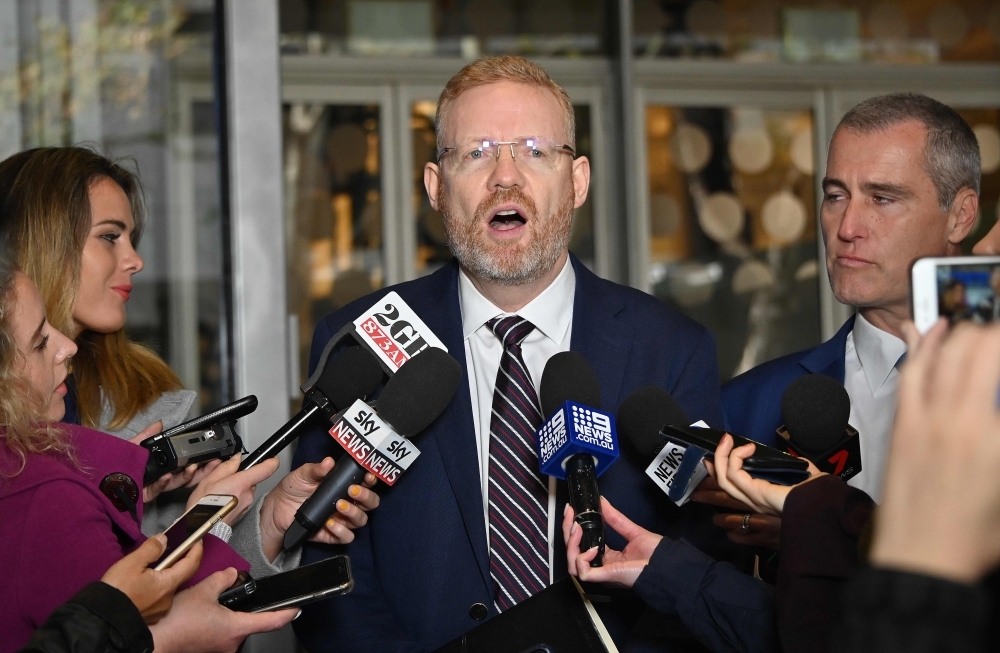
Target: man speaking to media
x=470, y=530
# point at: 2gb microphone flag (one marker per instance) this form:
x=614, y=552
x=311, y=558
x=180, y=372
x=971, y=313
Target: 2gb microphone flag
x=394, y=331
x=576, y=429
x=373, y=444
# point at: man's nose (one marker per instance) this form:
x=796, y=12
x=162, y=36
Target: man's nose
x=506, y=172
x=853, y=224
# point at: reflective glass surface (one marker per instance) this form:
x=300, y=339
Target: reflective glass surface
x=467, y=29
x=733, y=226
x=803, y=31
x=333, y=211
x=112, y=74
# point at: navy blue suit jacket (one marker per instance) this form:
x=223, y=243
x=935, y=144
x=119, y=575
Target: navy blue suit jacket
x=751, y=402
x=423, y=560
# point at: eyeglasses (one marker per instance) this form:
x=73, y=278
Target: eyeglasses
x=540, y=154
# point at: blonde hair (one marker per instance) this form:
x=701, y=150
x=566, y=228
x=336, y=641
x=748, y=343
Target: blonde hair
x=22, y=425
x=48, y=210
x=492, y=70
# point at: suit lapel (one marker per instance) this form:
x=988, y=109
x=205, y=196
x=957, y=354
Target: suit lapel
x=828, y=358
x=454, y=431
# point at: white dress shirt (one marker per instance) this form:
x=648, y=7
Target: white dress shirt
x=872, y=380
x=552, y=314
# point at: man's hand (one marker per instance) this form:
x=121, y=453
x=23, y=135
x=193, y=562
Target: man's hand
x=708, y=491
x=190, y=476
x=941, y=509
x=621, y=568
x=197, y=623
x=226, y=479
x=280, y=505
x=151, y=591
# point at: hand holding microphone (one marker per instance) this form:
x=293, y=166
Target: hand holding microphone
x=377, y=441
x=577, y=442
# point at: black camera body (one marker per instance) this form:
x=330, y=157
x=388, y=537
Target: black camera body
x=197, y=441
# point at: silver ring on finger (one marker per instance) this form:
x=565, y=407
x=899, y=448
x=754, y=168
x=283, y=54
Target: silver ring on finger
x=745, y=528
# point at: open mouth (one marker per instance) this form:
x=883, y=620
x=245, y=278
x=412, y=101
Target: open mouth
x=507, y=219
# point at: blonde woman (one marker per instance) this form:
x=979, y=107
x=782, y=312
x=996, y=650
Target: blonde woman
x=72, y=220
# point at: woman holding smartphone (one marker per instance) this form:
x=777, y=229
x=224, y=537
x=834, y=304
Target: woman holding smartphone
x=74, y=219
x=69, y=506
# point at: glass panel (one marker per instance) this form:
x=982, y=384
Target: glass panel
x=443, y=28
x=113, y=74
x=986, y=124
x=889, y=31
x=333, y=211
x=432, y=244
x=733, y=226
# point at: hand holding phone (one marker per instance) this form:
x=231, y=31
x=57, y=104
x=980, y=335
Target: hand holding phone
x=320, y=580
x=192, y=526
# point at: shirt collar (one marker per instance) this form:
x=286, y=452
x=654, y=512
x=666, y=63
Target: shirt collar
x=551, y=311
x=878, y=352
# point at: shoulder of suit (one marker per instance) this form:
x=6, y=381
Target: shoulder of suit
x=762, y=378
x=648, y=313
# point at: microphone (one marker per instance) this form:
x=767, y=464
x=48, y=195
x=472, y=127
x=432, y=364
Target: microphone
x=577, y=442
x=641, y=420
x=352, y=375
x=377, y=442
x=816, y=410
x=199, y=440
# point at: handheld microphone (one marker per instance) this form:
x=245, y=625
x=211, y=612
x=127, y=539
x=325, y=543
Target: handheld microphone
x=816, y=409
x=577, y=442
x=342, y=380
x=641, y=419
x=377, y=442
x=196, y=441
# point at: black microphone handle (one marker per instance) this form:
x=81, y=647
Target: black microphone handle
x=312, y=514
x=281, y=439
x=585, y=497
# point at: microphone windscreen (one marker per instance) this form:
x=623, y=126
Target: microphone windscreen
x=568, y=377
x=353, y=375
x=816, y=410
x=644, y=413
x=419, y=391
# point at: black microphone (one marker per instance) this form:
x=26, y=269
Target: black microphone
x=816, y=409
x=352, y=375
x=642, y=416
x=377, y=441
x=577, y=442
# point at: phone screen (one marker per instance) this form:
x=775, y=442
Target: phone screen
x=969, y=291
x=187, y=525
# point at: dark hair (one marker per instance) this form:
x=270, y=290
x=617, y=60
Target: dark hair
x=951, y=149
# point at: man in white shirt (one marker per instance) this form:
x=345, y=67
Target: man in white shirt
x=469, y=530
x=902, y=182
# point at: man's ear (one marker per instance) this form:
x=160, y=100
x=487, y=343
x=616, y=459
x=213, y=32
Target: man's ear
x=432, y=183
x=581, y=180
x=962, y=217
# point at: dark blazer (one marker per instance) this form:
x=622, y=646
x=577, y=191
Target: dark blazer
x=751, y=402
x=423, y=561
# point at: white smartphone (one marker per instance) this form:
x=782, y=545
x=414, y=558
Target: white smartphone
x=956, y=287
x=192, y=526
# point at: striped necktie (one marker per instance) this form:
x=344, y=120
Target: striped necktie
x=518, y=494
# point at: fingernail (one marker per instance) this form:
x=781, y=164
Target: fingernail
x=565, y=509
x=330, y=523
x=573, y=530
x=342, y=505
x=297, y=614
x=354, y=491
